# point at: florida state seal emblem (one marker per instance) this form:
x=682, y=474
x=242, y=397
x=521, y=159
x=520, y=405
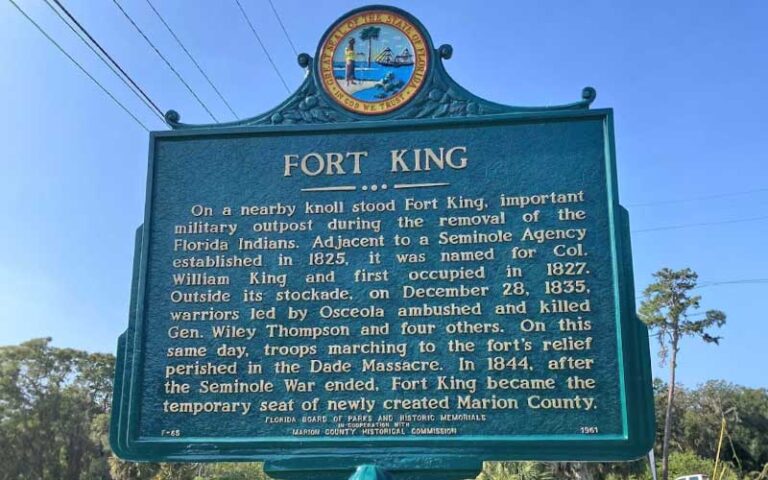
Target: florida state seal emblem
x=373, y=61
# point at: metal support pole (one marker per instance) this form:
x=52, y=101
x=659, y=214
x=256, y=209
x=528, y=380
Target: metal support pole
x=370, y=472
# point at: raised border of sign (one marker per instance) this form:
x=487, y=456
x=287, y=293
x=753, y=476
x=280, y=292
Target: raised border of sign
x=440, y=102
x=634, y=347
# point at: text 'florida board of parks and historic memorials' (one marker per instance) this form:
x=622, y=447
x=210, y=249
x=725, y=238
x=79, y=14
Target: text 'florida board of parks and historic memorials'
x=426, y=283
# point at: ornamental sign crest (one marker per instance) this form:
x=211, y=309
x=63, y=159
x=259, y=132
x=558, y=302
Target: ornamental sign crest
x=373, y=61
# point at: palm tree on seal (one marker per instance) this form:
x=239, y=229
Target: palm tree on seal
x=369, y=34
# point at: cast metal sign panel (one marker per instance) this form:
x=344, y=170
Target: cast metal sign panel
x=384, y=266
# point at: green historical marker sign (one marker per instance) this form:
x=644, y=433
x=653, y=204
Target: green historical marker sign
x=386, y=270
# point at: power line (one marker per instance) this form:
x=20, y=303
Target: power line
x=702, y=224
x=81, y=34
x=745, y=281
x=199, y=68
x=263, y=47
x=693, y=199
x=285, y=31
x=112, y=60
x=178, y=75
x=82, y=69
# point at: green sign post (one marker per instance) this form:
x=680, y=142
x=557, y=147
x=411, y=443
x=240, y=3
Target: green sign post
x=386, y=271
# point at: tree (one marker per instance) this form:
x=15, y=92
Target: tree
x=369, y=34
x=634, y=469
x=50, y=400
x=686, y=463
x=514, y=471
x=234, y=471
x=665, y=309
x=179, y=471
x=746, y=436
x=681, y=403
x=121, y=470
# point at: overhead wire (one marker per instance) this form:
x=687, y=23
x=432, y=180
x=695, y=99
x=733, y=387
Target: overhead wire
x=694, y=199
x=285, y=31
x=167, y=63
x=101, y=53
x=192, y=58
x=745, y=281
x=701, y=224
x=109, y=57
x=78, y=65
x=699, y=198
x=263, y=47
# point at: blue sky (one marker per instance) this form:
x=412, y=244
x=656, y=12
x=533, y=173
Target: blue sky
x=688, y=81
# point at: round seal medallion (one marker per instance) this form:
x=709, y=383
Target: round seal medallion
x=373, y=61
